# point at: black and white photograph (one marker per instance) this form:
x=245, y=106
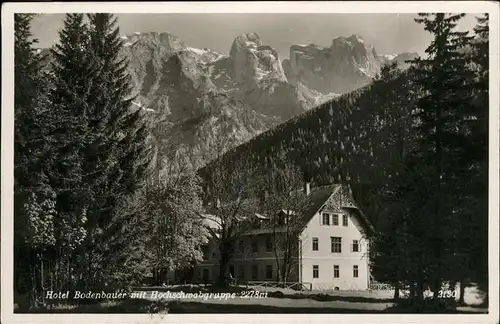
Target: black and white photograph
x=239, y=161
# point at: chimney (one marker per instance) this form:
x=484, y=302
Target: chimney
x=307, y=188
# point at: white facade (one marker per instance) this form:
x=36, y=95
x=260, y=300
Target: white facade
x=343, y=265
x=325, y=261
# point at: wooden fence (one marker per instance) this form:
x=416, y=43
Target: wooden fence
x=380, y=286
x=284, y=285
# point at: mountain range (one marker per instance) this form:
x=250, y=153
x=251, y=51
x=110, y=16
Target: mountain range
x=201, y=94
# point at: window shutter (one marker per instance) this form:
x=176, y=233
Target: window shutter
x=352, y=247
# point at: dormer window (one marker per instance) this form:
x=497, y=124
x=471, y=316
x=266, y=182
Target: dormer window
x=335, y=219
x=326, y=219
x=345, y=220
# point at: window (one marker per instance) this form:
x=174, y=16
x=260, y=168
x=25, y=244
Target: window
x=241, y=272
x=269, y=245
x=355, y=246
x=335, y=219
x=315, y=271
x=255, y=246
x=326, y=219
x=255, y=272
x=269, y=272
x=242, y=246
x=355, y=271
x=315, y=244
x=336, y=244
x=336, y=271
x=231, y=271
x=345, y=220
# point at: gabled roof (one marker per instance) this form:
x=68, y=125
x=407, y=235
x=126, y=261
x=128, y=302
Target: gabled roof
x=317, y=199
x=314, y=203
x=364, y=220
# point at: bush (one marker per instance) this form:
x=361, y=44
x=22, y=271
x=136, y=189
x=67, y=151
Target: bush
x=321, y=297
x=276, y=294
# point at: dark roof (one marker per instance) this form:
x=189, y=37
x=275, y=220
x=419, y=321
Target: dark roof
x=315, y=200
x=364, y=220
x=318, y=197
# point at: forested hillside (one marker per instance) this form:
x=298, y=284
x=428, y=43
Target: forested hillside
x=413, y=148
x=341, y=140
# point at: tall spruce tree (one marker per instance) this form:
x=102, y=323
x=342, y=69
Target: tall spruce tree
x=117, y=156
x=474, y=232
x=33, y=196
x=67, y=134
x=392, y=139
x=445, y=78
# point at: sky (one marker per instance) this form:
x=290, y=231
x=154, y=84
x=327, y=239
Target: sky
x=388, y=33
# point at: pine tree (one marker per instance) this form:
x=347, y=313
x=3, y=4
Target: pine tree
x=474, y=205
x=384, y=162
x=117, y=156
x=30, y=101
x=33, y=197
x=445, y=78
x=68, y=134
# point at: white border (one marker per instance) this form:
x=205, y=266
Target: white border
x=242, y=7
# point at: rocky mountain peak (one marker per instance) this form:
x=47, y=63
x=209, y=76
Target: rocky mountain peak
x=251, y=61
x=349, y=63
x=354, y=46
x=251, y=40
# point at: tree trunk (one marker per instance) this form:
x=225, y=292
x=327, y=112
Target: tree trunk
x=396, y=291
x=412, y=290
x=223, y=268
x=420, y=290
x=462, y=291
x=284, y=267
x=33, y=286
x=436, y=288
x=276, y=256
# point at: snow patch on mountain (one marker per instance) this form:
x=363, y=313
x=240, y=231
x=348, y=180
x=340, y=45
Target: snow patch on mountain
x=389, y=57
x=197, y=50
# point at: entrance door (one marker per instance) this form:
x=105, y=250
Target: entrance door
x=206, y=275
